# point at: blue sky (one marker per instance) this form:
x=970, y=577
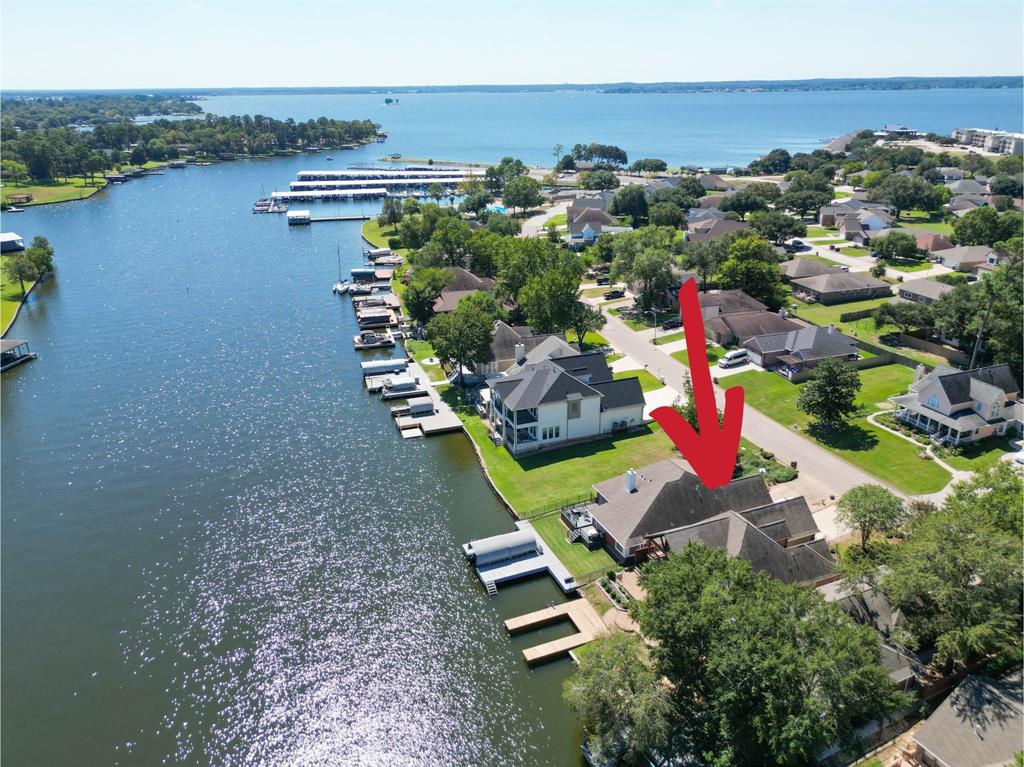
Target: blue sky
x=217, y=44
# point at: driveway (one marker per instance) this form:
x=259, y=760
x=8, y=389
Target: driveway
x=534, y=225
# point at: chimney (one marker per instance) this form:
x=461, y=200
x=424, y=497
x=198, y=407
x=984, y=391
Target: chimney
x=918, y=372
x=830, y=329
x=520, y=352
x=631, y=481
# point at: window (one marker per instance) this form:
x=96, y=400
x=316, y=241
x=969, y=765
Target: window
x=550, y=432
x=574, y=409
x=933, y=401
x=995, y=409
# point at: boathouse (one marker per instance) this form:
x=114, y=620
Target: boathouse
x=14, y=352
x=11, y=242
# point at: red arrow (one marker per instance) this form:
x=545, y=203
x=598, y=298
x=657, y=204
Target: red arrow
x=712, y=452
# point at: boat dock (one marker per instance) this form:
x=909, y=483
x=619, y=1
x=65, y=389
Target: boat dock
x=440, y=421
x=579, y=611
x=13, y=352
x=360, y=217
x=511, y=556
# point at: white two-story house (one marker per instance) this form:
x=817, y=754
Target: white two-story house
x=561, y=400
x=958, y=406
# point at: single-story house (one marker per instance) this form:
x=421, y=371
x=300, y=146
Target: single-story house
x=840, y=287
x=930, y=242
x=793, y=354
x=967, y=186
x=710, y=201
x=722, y=302
x=693, y=215
x=780, y=539
x=798, y=268
x=578, y=204
x=461, y=283
x=706, y=231
x=978, y=725
x=950, y=174
x=965, y=258
x=561, y=400
x=512, y=345
x=923, y=291
x=738, y=328
x=713, y=183
x=958, y=406
x=664, y=496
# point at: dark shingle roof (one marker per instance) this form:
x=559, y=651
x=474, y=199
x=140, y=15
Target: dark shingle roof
x=957, y=385
x=837, y=282
x=749, y=324
x=797, y=268
x=538, y=384
x=591, y=367
x=730, y=302
x=621, y=393
x=507, y=337
x=809, y=343
x=716, y=230
x=463, y=279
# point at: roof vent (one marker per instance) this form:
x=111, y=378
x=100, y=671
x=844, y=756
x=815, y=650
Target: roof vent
x=631, y=481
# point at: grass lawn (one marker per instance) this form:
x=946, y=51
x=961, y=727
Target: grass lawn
x=421, y=350
x=922, y=220
x=600, y=290
x=839, y=194
x=821, y=231
x=855, y=252
x=826, y=261
x=827, y=241
x=978, y=456
x=575, y=556
x=714, y=354
x=669, y=338
x=876, y=451
x=58, y=191
x=613, y=357
x=592, y=340
x=559, y=220
x=378, y=237
x=647, y=380
x=908, y=265
x=822, y=315
x=10, y=298
x=545, y=478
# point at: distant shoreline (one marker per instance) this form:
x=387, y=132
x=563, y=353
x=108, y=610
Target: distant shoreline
x=995, y=82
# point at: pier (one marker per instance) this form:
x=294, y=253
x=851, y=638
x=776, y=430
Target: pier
x=579, y=611
x=316, y=219
x=511, y=556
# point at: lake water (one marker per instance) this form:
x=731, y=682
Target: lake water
x=215, y=547
x=686, y=128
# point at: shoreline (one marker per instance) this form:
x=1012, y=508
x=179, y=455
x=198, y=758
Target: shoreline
x=17, y=309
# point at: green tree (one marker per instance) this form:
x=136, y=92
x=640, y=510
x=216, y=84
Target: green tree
x=630, y=201
x=390, y=213
x=742, y=202
x=752, y=268
x=777, y=226
x=12, y=170
x=907, y=315
x=803, y=202
x=586, y=319
x=462, y=337
x=425, y=285
x=522, y=192
x=871, y=509
x=435, y=192
x=666, y=214
x=878, y=270
x=761, y=672
x=685, y=404
x=906, y=192
x=896, y=246
x=705, y=258
x=977, y=227
x=830, y=396
x=957, y=574
x=622, y=706
x=20, y=268
x=766, y=190
x=599, y=179
x=549, y=299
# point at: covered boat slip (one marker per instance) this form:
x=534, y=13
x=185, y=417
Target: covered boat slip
x=13, y=352
x=515, y=555
x=387, y=173
x=387, y=183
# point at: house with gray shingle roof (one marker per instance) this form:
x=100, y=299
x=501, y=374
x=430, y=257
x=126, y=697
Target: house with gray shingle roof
x=798, y=268
x=923, y=291
x=966, y=258
x=559, y=400
x=967, y=186
x=517, y=344
x=958, y=406
x=794, y=354
x=840, y=287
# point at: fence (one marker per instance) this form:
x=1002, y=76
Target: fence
x=955, y=356
x=557, y=506
x=860, y=314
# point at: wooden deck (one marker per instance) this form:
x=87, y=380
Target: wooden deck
x=583, y=616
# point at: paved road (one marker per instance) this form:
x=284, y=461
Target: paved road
x=823, y=476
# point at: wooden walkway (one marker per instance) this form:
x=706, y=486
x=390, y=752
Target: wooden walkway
x=583, y=616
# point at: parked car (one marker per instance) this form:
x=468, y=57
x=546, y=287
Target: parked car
x=799, y=245
x=733, y=358
x=604, y=281
x=671, y=324
x=614, y=294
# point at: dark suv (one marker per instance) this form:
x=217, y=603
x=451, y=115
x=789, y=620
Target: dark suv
x=614, y=294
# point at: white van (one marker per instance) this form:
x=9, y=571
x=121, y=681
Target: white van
x=733, y=358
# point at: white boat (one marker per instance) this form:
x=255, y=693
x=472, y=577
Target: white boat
x=12, y=209
x=328, y=157
x=340, y=287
